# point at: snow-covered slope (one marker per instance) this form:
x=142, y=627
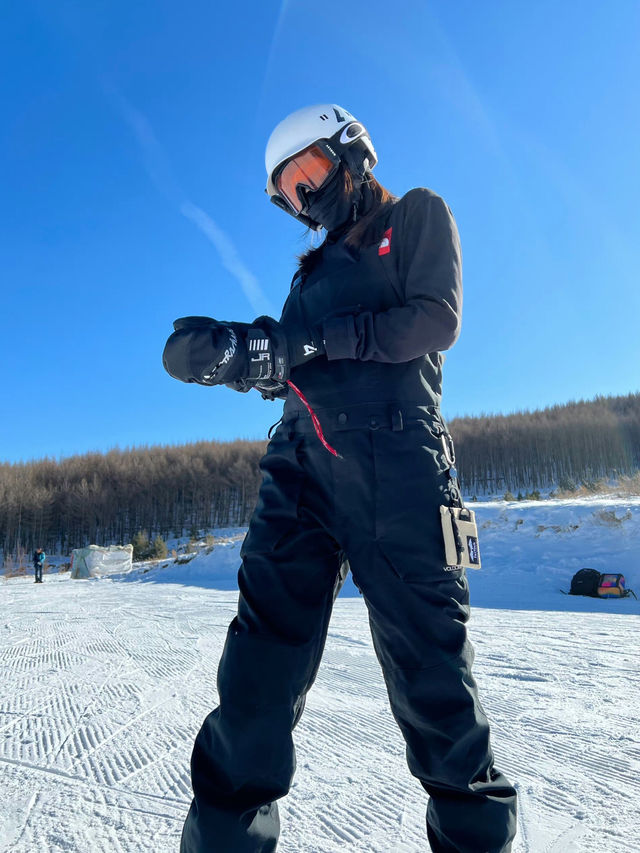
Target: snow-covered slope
x=105, y=683
x=530, y=550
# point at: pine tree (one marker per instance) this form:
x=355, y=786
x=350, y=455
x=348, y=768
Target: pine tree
x=159, y=548
x=141, y=546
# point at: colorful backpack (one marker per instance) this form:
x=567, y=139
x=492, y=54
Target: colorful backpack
x=612, y=586
x=590, y=582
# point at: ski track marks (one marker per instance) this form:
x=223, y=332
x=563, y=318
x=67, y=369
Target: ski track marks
x=104, y=686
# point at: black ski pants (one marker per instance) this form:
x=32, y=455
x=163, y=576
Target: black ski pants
x=379, y=507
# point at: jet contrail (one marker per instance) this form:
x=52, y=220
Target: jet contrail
x=161, y=175
x=228, y=256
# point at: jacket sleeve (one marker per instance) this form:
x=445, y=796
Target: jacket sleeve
x=429, y=266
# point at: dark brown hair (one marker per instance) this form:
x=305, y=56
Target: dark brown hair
x=366, y=231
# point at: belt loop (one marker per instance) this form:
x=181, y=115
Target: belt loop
x=397, y=424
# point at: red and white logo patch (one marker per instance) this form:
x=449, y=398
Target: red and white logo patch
x=385, y=244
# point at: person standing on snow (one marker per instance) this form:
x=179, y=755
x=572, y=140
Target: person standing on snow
x=358, y=469
x=38, y=563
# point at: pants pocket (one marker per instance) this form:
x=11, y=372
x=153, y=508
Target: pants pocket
x=411, y=485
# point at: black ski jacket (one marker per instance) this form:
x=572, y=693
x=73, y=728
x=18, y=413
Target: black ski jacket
x=386, y=310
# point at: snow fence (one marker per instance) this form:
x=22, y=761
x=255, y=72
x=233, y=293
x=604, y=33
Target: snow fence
x=95, y=561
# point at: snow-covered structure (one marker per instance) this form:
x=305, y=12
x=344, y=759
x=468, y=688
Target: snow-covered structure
x=94, y=561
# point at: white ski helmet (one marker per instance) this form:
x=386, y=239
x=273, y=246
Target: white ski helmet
x=339, y=135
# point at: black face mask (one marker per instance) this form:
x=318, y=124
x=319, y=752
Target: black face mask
x=332, y=206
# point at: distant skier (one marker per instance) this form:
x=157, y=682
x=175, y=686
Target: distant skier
x=359, y=468
x=38, y=563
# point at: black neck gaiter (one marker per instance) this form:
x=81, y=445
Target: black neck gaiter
x=333, y=206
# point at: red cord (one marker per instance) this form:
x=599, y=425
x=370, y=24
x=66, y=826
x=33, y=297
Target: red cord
x=314, y=420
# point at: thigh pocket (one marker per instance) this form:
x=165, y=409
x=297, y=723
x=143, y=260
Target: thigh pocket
x=411, y=485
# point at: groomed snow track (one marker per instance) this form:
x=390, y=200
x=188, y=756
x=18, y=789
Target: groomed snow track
x=104, y=686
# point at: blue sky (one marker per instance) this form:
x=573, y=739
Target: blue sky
x=132, y=178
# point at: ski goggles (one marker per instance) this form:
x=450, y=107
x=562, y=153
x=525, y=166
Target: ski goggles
x=310, y=169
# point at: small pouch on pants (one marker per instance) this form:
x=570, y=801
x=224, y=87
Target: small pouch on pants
x=460, y=537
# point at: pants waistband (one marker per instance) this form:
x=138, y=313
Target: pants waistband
x=391, y=416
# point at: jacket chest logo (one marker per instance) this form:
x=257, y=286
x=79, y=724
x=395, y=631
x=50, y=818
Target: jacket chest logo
x=385, y=244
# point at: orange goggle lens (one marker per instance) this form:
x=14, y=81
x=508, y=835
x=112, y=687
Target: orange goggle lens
x=310, y=169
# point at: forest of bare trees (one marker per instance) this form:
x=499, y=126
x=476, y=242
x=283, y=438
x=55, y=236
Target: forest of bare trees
x=561, y=446
x=105, y=498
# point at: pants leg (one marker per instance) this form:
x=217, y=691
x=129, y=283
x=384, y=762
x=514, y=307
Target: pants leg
x=434, y=699
x=418, y=610
x=243, y=759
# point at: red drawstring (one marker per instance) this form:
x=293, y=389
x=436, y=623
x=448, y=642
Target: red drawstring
x=314, y=420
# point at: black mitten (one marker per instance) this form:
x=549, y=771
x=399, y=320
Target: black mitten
x=206, y=351
x=240, y=355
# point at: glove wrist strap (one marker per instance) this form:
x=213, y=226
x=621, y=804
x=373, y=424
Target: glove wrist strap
x=260, y=354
